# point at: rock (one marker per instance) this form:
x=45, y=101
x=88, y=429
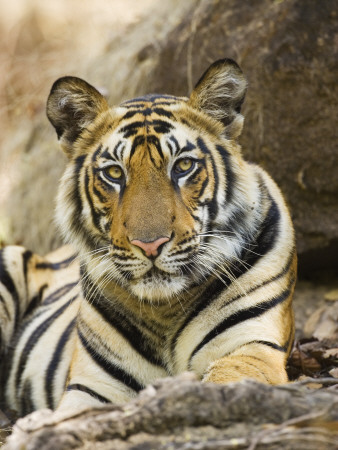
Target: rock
x=179, y=413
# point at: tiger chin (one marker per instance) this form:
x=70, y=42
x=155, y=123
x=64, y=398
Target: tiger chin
x=182, y=254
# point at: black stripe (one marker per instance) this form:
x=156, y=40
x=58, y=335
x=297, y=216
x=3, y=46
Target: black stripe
x=87, y=390
x=26, y=399
x=171, y=150
x=96, y=153
x=229, y=173
x=213, y=292
x=279, y=275
x=151, y=139
x=34, y=338
x=131, y=129
x=210, y=294
x=94, y=215
x=56, y=266
x=99, y=194
x=26, y=257
x=161, y=126
x=35, y=301
x=8, y=282
x=213, y=204
x=51, y=371
x=107, y=155
x=76, y=198
x=269, y=344
x=132, y=112
x=109, y=367
x=2, y=301
x=163, y=112
x=139, y=140
x=56, y=295
x=187, y=148
x=117, y=146
x=270, y=230
x=193, y=180
x=122, y=324
x=239, y=317
x=152, y=98
x=266, y=239
x=175, y=142
x=133, y=105
x=263, y=243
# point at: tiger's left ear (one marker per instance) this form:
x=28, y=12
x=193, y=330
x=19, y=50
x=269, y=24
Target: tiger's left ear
x=220, y=93
x=72, y=105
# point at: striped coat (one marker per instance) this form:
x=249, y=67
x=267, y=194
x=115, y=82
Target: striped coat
x=182, y=257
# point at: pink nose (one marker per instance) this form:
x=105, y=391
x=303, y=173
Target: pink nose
x=150, y=248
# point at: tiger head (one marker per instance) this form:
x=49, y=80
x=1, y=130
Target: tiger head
x=155, y=193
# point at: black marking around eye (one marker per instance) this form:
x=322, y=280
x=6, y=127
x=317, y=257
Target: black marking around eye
x=107, y=154
x=187, y=148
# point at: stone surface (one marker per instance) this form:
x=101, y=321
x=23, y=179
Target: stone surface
x=180, y=413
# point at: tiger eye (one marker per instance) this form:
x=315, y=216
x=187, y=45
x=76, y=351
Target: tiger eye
x=184, y=165
x=114, y=172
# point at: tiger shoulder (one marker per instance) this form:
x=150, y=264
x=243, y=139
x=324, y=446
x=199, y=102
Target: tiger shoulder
x=182, y=254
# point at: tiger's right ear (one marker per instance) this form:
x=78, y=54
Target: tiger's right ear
x=71, y=106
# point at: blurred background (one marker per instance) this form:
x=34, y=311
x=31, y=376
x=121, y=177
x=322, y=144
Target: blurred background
x=287, y=49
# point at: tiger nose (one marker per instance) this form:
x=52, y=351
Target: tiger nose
x=150, y=248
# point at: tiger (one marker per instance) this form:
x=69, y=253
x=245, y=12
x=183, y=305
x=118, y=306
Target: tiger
x=180, y=254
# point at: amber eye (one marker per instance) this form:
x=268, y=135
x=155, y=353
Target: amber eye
x=184, y=165
x=114, y=172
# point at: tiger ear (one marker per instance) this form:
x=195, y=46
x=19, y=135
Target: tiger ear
x=220, y=93
x=71, y=106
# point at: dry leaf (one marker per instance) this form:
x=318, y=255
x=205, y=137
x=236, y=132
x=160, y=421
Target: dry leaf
x=334, y=373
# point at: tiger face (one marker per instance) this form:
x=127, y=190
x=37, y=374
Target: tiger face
x=153, y=187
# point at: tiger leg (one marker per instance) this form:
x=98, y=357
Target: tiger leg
x=92, y=381
x=256, y=361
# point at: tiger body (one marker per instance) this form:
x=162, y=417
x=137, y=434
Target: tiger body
x=183, y=254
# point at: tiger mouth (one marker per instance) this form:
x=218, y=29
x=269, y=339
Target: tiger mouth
x=156, y=274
